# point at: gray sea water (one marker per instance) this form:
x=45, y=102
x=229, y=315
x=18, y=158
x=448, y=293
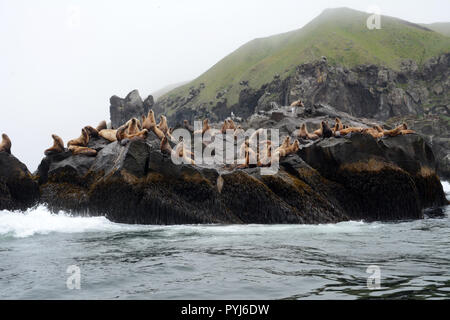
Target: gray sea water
x=43, y=255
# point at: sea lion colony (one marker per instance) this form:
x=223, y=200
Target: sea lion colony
x=340, y=130
x=135, y=129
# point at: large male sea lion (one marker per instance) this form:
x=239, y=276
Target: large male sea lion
x=5, y=145
x=108, y=134
x=58, y=146
x=81, y=141
x=326, y=131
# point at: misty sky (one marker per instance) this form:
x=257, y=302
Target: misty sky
x=60, y=61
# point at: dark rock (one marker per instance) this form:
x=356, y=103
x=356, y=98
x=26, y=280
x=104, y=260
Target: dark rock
x=18, y=189
x=388, y=179
x=122, y=110
x=148, y=104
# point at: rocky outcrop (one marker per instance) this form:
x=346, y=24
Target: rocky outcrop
x=327, y=181
x=121, y=110
x=386, y=179
x=436, y=131
x=18, y=189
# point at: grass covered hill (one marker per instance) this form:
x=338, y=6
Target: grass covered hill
x=441, y=27
x=339, y=34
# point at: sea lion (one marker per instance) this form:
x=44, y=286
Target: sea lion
x=132, y=126
x=246, y=149
x=5, y=145
x=157, y=132
x=165, y=146
x=108, y=134
x=265, y=154
x=348, y=130
x=101, y=126
x=297, y=103
x=81, y=141
x=122, y=133
x=326, y=131
x=373, y=132
x=58, y=146
x=284, y=145
x=225, y=126
x=339, y=124
x=91, y=131
x=205, y=127
x=231, y=124
x=238, y=132
x=293, y=148
x=162, y=125
x=181, y=152
x=319, y=131
x=378, y=128
x=82, y=150
x=304, y=134
x=249, y=155
x=149, y=121
x=187, y=126
x=397, y=131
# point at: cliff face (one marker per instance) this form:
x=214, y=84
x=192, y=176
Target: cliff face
x=365, y=91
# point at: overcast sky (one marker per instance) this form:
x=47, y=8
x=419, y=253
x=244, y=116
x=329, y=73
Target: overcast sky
x=60, y=61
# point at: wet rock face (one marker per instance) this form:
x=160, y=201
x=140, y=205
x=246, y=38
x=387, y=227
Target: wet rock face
x=386, y=179
x=327, y=181
x=436, y=132
x=18, y=189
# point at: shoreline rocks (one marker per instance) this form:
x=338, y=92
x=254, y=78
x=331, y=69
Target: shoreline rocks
x=18, y=189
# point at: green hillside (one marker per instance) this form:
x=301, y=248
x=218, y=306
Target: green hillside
x=441, y=27
x=339, y=34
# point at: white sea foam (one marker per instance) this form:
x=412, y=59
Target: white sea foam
x=446, y=186
x=41, y=221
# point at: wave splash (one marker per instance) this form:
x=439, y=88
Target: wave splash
x=40, y=221
x=446, y=186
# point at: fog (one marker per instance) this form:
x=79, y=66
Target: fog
x=60, y=61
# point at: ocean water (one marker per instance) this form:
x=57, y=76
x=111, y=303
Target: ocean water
x=43, y=255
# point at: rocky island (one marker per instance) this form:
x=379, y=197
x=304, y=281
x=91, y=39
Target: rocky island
x=327, y=180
